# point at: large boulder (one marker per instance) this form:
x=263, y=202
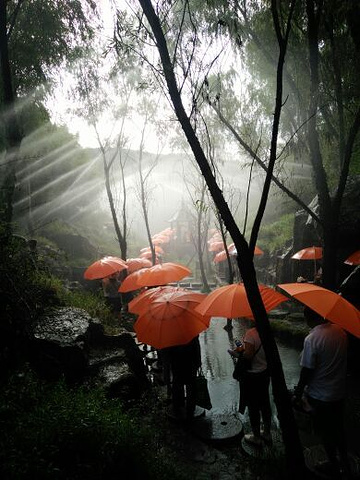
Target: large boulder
x=61, y=341
x=68, y=342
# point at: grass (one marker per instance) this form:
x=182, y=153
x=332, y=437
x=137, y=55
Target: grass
x=51, y=430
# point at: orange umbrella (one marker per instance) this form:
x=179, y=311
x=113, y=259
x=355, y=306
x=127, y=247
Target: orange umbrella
x=170, y=320
x=104, y=267
x=309, y=253
x=163, y=273
x=231, y=301
x=159, y=239
x=221, y=256
x=156, y=247
x=233, y=251
x=326, y=303
x=141, y=301
x=130, y=283
x=137, y=263
x=147, y=255
x=216, y=246
x=354, y=258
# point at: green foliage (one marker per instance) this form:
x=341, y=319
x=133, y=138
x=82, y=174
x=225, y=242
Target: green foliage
x=59, y=226
x=278, y=233
x=54, y=431
x=42, y=35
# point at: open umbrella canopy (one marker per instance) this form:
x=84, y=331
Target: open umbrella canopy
x=130, y=283
x=135, y=264
x=216, y=246
x=156, y=247
x=160, y=239
x=233, y=251
x=147, y=254
x=231, y=301
x=354, y=258
x=141, y=301
x=104, y=267
x=170, y=319
x=221, y=256
x=326, y=303
x=163, y=273
x=309, y=253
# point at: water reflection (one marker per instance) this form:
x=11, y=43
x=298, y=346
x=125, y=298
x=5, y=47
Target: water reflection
x=218, y=365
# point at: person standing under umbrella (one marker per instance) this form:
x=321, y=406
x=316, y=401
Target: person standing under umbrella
x=323, y=382
x=112, y=296
x=184, y=362
x=254, y=389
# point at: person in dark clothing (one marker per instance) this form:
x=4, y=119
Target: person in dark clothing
x=112, y=296
x=184, y=361
x=323, y=384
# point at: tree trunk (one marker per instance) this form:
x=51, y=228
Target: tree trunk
x=200, y=244
x=294, y=455
x=13, y=136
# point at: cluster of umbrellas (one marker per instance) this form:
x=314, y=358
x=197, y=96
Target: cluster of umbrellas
x=158, y=239
x=171, y=315
x=216, y=245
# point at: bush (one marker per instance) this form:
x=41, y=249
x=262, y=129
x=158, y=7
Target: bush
x=277, y=234
x=54, y=431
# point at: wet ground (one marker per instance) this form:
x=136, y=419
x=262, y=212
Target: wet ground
x=218, y=365
x=213, y=442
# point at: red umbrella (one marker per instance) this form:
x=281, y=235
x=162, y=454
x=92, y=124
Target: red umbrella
x=170, y=320
x=104, y=267
x=309, y=253
x=135, y=264
x=130, y=283
x=160, y=239
x=156, y=247
x=216, y=246
x=233, y=251
x=231, y=301
x=163, y=273
x=141, y=301
x=354, y=258
x=221, y=256
x=147, y=254
x=326, y=303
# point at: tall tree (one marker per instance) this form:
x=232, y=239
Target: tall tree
x=29, y=48
x=245, y=250
x=322, y=103
x=92, y=91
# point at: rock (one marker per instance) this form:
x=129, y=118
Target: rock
x=69, y=342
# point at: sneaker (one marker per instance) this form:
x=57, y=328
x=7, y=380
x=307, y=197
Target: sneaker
x=253, y=440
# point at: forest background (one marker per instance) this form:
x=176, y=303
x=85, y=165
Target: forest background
x=263, y=95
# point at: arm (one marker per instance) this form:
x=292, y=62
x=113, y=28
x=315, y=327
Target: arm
x=249, y=350
x=305, y=376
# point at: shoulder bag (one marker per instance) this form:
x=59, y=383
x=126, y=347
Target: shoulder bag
x=242, y=365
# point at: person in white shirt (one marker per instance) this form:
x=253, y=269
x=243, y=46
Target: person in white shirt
x=323, y=383
x=254, y=389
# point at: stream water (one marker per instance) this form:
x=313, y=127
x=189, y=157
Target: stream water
x=218, y=365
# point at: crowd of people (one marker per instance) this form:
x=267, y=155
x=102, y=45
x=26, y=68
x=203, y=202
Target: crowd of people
x=320, y=390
